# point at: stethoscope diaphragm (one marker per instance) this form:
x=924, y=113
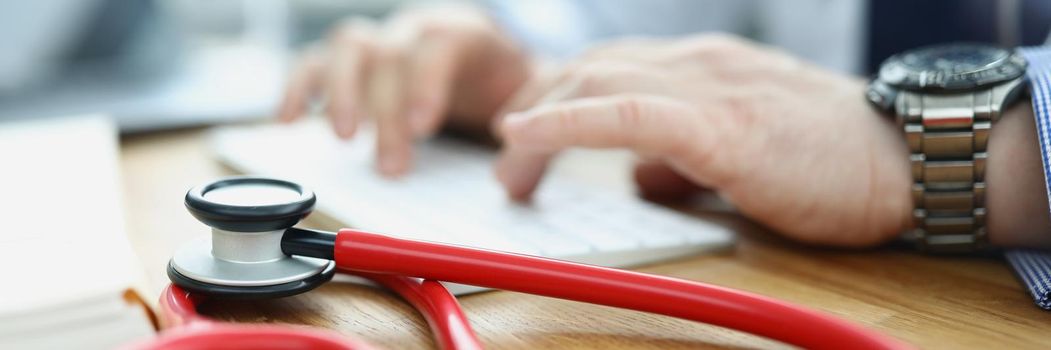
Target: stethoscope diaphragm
x=242, y=258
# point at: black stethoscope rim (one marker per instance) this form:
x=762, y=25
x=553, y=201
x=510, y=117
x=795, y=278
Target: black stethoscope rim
x=256, y=218
x=251, y=292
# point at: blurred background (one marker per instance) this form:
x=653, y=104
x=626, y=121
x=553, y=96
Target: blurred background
x=156, y=64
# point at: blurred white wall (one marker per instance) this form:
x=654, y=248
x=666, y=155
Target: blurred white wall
x=33, y=33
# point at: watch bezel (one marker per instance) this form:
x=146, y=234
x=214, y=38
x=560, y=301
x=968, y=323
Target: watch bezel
x=896, y=73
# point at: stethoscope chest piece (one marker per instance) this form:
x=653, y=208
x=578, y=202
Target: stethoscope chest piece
x=243, y=257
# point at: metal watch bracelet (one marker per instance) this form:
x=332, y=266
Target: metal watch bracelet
x=947, y=137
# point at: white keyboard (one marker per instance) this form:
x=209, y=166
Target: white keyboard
x=451, y=196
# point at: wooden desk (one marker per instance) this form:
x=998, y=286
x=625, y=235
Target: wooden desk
x=931, y=302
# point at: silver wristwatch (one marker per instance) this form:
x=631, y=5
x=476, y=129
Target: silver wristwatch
x=947, y=98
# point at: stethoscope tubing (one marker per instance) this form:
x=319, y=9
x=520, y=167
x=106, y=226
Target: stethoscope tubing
x=361, y=251
x=185, y=328
x=438, y=307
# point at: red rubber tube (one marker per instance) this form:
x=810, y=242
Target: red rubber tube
x=184, y=328
x=448, y=323
x=178, y=308
x=752, y=313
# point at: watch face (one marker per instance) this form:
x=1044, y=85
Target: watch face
x=953, y=58
x=951, y=67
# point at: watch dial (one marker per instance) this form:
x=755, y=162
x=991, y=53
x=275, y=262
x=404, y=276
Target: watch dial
x=951, y=67
x=954, y=58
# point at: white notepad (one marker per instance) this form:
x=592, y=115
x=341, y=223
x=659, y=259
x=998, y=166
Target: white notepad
x=70, y=275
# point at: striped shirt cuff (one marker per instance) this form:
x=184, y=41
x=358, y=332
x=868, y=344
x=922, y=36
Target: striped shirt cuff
x=1034, y=267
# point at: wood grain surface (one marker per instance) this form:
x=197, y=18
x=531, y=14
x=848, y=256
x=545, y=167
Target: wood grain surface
x=932, y=302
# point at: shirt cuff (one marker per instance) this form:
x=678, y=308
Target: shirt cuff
x=1034, y=269
x=1032, y=266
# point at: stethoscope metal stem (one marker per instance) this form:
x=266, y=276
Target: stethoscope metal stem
x=247, y=247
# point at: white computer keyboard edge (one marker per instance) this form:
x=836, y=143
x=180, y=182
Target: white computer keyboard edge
x=241, y=147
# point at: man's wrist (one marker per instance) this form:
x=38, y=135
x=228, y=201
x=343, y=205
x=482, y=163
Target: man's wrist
x=895, y=174
x=1016, y=196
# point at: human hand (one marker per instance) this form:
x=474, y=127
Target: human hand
x=409, y=73
x=792, y=146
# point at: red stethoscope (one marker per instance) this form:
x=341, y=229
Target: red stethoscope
x=254, y=252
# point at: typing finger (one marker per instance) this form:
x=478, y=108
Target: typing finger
x=658, y=126
x=597, y=78
x=432, y=69
x=520, y=171
x=528, y=95
x=648, y=124
x=385, y=88
x=350, y=47
x=303, y=85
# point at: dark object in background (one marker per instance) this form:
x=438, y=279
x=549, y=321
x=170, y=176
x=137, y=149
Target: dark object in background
x=900, y=25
